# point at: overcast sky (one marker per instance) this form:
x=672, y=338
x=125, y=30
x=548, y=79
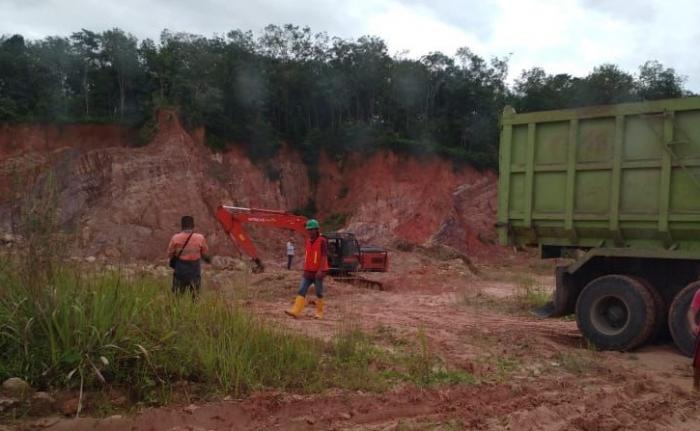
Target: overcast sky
x=569, y=36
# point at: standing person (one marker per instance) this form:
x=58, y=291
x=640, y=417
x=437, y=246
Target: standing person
x=315, y=267
x=695, y=329
x=290, y=252
x=185, y=251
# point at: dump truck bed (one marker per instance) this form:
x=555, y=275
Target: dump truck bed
x=625, y=175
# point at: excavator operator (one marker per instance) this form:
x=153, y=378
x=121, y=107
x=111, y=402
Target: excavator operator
x=315, y=267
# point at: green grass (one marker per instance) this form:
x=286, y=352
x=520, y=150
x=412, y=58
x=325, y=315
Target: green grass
x=579, y=362
x=413, y=361
x=530, y=294
x=89, y=329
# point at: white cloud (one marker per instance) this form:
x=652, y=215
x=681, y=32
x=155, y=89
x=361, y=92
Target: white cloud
x=418, y=30
x=565, y=36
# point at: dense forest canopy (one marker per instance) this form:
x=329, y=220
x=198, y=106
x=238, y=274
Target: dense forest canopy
x=290, y=84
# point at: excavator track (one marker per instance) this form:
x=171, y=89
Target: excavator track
x=359, y=281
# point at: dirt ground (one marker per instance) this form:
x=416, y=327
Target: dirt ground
x=531, y=374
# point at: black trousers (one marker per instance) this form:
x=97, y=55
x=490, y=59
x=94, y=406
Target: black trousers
x=187, y=278
x=289, y=261
x=192, y=286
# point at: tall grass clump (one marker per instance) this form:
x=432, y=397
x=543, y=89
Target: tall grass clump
x=530, y=294
x=89, y=329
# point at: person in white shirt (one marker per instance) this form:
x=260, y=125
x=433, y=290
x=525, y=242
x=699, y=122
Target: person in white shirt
x=290, y=252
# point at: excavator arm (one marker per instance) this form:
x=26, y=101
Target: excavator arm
x=232, y=219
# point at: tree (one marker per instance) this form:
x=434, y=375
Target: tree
x=537, y=91
x=288, y=84
x=87, y=45
x=59, y=66
x=657, y=82
x=120, y=53
x=607, y=84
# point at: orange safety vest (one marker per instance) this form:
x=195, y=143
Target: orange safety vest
x=312, y=260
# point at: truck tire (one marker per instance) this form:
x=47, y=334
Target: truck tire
x=615, y=312
x=677, y=320
x=660, y=317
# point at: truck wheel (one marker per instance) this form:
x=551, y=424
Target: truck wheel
x=660, y=315
x=677, y=320
x=615, y=312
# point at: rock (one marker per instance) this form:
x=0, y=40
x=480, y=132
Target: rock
x=346, y=416
x=7, y=403
x=190, y=409
x=16, y=386
x=112, y=253
x=90, y=259
x=8, y=238
x=41, y=404
x=223, y=262
x=45, y=422
x=304, y=419
x=241, y=265
x=69, y=407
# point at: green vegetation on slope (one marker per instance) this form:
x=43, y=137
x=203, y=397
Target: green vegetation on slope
x=287, y=83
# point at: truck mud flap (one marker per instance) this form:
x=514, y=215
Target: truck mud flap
x=545, y=311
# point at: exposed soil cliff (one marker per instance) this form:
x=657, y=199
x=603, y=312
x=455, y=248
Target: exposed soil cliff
x=124, y=202
x=389, y=197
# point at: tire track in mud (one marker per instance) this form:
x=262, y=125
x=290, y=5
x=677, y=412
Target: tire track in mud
x=609, y=402
x=443, y=320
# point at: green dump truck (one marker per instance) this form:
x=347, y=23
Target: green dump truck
x=617, y=188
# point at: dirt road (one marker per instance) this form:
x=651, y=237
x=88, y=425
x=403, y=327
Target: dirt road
x=531, y=374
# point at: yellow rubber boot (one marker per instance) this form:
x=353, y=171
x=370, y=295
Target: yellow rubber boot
x=319, y=308
x=299, y=304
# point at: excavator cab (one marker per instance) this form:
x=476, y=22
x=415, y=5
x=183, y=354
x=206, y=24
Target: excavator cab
x=343, y=252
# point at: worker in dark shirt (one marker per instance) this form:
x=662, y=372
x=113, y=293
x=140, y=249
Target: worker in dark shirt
x=315, y=267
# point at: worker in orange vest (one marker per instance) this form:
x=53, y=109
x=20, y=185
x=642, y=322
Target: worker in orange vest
x=315, y=267
x=185, y=251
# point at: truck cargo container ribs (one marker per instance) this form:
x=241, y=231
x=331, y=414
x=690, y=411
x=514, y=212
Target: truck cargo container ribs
x=616, y=187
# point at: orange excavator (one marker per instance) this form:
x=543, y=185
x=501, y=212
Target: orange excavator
x=345, y=255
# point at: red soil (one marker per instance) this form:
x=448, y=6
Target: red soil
x=125, y=202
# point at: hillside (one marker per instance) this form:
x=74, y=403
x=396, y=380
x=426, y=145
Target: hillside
x=123, y=202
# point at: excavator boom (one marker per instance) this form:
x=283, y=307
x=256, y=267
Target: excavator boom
x=232, y=219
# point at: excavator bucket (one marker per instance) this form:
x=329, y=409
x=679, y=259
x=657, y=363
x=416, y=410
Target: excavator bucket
x=257, y=266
